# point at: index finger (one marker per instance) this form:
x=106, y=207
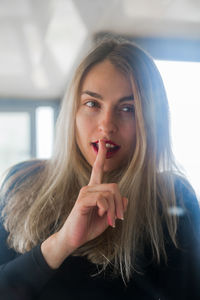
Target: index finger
x=97, y=170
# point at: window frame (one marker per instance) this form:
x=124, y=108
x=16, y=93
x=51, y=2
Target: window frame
x=29, y=106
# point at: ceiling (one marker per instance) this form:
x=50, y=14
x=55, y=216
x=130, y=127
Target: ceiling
x=41, y=41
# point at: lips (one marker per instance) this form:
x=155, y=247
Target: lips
x=112, y=148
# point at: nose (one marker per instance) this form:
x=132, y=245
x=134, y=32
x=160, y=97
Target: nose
x=107, y=123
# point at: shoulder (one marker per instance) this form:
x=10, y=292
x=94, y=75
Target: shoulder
x=25, y=167
x=20, y=174
x=185, y=194
x=186, y=207
x=188, y=211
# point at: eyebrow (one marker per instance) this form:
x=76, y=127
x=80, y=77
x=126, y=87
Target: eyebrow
x=98, y=96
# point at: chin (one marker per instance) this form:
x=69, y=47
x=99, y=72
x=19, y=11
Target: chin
x=109, y=167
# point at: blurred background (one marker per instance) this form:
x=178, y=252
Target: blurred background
x=42, y=41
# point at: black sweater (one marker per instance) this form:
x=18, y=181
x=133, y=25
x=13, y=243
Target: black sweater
x=27, y=276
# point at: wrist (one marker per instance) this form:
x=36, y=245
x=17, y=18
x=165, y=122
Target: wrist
x=53, y=251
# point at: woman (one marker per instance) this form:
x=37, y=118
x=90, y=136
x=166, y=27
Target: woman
x=107, y=216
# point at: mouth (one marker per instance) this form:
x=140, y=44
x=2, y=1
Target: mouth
x=112, y=148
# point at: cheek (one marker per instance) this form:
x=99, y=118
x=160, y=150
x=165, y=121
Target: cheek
x=129, y=132
x=130, y=140
x=83, y=127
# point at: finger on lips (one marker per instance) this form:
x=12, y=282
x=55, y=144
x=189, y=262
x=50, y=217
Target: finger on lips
x=111, y=200
x=97, y=170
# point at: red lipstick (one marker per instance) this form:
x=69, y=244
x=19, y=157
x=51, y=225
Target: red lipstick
x=112, y=147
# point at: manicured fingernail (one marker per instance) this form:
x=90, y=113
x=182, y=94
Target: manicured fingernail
x=121, y=216
x=112, y=224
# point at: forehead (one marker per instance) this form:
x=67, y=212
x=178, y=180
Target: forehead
x=104, y=77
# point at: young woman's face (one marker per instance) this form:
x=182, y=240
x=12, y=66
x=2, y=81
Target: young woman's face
x=106, y=111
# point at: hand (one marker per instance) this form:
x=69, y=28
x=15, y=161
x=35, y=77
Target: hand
x=97, y=207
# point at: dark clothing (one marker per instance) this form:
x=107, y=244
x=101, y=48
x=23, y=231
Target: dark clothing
x=27, y=276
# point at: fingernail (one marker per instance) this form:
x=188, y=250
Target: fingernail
x=113, y=224
x=121, y=216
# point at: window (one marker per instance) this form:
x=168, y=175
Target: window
x=26, y=130
x=15, y=138
x=182, y=80
x=178, y=60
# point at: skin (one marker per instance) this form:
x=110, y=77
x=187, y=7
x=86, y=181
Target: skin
x=106, y=112
x=98, y=204
x=97, y=207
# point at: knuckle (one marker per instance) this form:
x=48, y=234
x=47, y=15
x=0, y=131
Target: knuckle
x=99, y=197
x=108, y=194
x=113, y=186
x=102, y=201
x=83, y=190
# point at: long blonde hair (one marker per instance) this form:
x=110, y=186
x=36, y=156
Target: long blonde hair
x=39, y=203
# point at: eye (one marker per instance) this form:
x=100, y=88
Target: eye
x=92, y=104
x=128, y=108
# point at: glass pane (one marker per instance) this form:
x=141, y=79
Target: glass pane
x=44, y=131
x=181, y=80
x=14, y=138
